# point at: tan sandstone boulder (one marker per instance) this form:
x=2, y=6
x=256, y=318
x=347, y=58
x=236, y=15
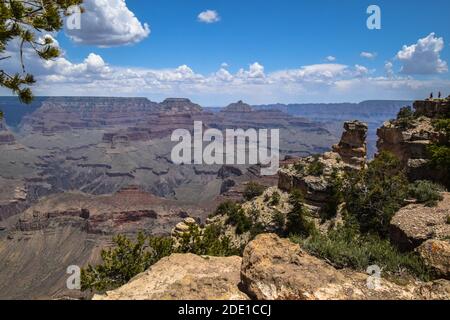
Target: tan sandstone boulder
x=416, y=223
x=184, y=277
x=277, y=269
x=436, y=254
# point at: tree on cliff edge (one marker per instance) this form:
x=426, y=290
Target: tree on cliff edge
x=21, y=22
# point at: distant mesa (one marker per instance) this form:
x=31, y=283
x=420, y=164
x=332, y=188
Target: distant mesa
x=180, y=105
x=238, y=107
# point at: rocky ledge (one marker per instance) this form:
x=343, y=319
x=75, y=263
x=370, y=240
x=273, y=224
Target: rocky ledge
x=409, y=139
x=414, y=224
x=311, y=175
x=272, y=269
x=184, y=277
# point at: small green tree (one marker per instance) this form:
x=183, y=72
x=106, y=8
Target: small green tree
x=405, y=117
x=426, y=192
x=297, y=223
x=22, y=21
x=335, y=196
x=127, y=259
x=375, y=194
x=279, y=220
x=253, y=190
x=439, y=153
x=316, y=168
x=275, y=199
x=210, y=241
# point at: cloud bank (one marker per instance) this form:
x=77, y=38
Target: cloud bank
x=323, y=82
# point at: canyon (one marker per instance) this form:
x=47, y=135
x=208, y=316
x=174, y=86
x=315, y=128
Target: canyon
x=75, y=171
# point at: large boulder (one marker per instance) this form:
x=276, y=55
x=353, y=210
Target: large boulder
x=414, y=224
x=436, y=254
x=277, y=269
x=184, y=277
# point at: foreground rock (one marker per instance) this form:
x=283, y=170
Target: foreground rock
x=184, y=277
x=277, y=269
x=436, y=254
x=416, y=223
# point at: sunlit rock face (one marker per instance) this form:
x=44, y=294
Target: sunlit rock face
x=409, y=141
x=353, y=147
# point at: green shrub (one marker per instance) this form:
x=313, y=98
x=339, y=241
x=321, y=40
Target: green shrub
x=442, y=125
x=335, y=198
x=405, y=117
x=225, y=207
x=345, y=247
x=300, y=168
x=316, y=168
x=235, y=216
x=439, y=153
x=375, y=194
x=426, y=192
x=127, y=259
x=440, y=156
x=405, y=112
x=253, y=190
x=238, y=219
x=279, y=220
x=448, y=219
x=297, y=222
x=275, y=199
x=207, y=242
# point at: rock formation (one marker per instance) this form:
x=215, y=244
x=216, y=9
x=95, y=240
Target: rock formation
x=414, y=224
x=353, y=148
x=409, y=139
x=312, y=174
x=238, y=107
x=126, y=211
x=271, y=269
x=184, y=277
x=436, y=254
x=183, y=227
x=180, y=105
x=277, y=269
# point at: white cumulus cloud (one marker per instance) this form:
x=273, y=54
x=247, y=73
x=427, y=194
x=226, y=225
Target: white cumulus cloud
x=107, y=23
x=330, y=58
x=209, y=16
x=424, y=57
x=368, y=55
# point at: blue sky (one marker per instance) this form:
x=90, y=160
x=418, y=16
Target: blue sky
x=286, y=41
